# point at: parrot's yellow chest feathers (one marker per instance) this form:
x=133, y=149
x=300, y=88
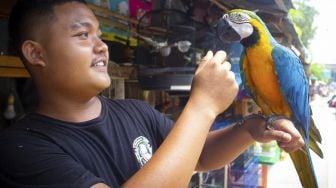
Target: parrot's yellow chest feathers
x=261, y=75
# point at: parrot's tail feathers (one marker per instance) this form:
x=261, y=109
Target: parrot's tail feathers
x=315, y=147
x=304, y=168
x=313, y=131
x=314, y=137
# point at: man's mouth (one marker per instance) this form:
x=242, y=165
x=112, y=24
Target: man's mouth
x=99, y=62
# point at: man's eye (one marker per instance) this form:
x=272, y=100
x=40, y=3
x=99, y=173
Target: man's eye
x=83, y=35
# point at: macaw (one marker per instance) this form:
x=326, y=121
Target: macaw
x=274, y=77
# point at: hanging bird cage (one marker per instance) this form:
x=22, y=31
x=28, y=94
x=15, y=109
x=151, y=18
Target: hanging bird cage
x=165, y=55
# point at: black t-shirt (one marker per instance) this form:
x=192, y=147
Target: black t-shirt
x=43, y=152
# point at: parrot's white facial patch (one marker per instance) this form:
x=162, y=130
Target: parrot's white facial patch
x=238, y=18
x=240, y=23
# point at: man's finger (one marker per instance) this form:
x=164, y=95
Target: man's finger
x=293, y=144
x=219, y=57
x=288, y=127
x=280, y=136
x=226, y=65
x=204, y=60
x=291, y=148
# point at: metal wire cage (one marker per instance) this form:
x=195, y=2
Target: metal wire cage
x=165, y=55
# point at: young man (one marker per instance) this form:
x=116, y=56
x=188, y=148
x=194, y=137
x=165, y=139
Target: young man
x=78, y=139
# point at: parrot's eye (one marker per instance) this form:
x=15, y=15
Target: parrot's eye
x=239, y=18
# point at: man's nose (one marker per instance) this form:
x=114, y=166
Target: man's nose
x=100, y=46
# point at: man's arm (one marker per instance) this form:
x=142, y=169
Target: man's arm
x=173, y=163
x=225, y=145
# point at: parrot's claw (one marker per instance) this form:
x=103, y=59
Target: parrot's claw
x=271, y=119
x=251, y=116
x=268, y=119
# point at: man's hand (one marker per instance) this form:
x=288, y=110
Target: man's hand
x=283, y=131
x=214, y=86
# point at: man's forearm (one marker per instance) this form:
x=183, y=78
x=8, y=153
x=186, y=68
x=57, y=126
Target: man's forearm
x=223, y=146
x=173, y=163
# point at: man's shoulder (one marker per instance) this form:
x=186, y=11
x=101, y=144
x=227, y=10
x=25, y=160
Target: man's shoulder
x=21, y=130
x=17, y=128
x=32, y=127
x=20, y=138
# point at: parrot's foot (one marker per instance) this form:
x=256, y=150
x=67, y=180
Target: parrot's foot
x=272, y=118
x=251, y=116
x=268, y=119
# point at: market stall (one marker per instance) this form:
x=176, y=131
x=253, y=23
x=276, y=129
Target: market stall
x=155, y=47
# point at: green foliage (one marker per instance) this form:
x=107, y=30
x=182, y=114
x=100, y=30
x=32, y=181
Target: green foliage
x=303, y=19
x=318, y=70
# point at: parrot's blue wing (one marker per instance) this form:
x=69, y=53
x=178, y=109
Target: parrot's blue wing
x=294, y=85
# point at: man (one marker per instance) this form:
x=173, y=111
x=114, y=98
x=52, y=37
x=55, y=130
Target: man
x=77, y=139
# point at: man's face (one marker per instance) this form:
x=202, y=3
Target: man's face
x=76, y=58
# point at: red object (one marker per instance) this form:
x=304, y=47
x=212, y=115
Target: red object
x=332, y=101
x=139, y=7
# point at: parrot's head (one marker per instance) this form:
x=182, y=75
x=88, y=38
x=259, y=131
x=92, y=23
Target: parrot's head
x=239, y=24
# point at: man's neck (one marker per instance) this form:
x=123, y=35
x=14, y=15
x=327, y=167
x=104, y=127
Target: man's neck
x=70, y=110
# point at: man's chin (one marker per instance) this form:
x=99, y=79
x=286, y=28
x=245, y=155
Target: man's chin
x=105, y=84
x=101, y=84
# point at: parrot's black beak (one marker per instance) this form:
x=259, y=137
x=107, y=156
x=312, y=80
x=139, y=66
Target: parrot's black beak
x=225, y=32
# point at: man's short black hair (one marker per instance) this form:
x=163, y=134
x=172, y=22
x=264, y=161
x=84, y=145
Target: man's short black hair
x=27, y=16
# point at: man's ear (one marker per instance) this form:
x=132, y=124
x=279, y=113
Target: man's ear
x=32, y=51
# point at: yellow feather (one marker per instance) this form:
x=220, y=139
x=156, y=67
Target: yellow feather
x=261, y=76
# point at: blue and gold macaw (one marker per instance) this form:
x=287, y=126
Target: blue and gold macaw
x=274, y=77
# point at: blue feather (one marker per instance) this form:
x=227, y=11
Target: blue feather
x=294, y=85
